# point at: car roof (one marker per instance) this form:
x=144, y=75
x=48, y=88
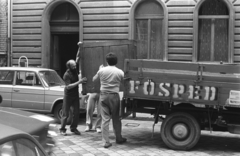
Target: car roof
x=28, y=122
x=36, y=69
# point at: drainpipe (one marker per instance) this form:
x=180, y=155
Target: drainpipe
x=9, y=53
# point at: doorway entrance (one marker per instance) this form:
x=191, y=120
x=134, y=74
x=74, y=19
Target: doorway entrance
x=64, y=27
x=60, y=17
x=64, y=48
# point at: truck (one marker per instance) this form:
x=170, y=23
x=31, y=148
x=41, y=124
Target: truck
x=186, y=97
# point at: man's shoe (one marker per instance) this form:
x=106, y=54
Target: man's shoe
x=75, y=131
x=107, y=144
x=99, y=130
x=121, y=141
x=63, y=133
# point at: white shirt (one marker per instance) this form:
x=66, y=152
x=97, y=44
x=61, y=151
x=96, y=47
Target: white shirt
x=110, y=78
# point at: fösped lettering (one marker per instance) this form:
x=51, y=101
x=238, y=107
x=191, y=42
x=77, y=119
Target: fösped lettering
x=173, y=90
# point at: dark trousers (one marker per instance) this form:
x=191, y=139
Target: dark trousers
x=69, y=102
x=110, y=105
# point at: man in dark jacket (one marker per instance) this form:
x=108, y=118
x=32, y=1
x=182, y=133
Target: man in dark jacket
x=71, y=97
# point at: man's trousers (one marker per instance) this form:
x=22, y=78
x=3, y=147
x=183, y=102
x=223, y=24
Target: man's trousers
x=110, y=108
x=68, y=102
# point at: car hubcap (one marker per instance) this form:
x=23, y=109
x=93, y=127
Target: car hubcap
x=180, y=131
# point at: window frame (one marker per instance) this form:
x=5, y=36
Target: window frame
x=13, y=148
x=35, y=77
x=13, y=77
x=231, y=18
x=34, y=147
x=132, y=24
x=149, y=20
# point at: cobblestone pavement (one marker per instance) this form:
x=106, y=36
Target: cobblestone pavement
x=140, y=142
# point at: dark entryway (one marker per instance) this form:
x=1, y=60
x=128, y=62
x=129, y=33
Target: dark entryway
x=64, y=29
x=64, y=48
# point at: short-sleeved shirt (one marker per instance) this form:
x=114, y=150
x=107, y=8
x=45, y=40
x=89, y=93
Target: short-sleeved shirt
x=70, y=78
x=110, y=79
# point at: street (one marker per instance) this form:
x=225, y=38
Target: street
x=140, y=142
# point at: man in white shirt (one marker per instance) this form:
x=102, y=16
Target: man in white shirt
x=110, y=79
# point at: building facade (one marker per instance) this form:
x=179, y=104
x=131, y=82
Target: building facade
x=47, y=31
x=3, y=32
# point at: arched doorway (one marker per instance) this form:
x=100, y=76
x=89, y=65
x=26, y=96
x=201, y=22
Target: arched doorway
x=61, y=31
x=64, y=28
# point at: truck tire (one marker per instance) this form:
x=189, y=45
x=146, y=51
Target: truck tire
x=180, y=131
x=58, y=114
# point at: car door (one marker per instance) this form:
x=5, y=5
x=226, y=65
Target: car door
x=6, y=84
x=28, y=91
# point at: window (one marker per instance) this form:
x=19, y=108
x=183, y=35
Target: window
x=51, y=78
x=213, y=31
x=148, y=29
x=20, y=147
x=6, y=77
x=7, y=149
x=27, y=148
x=27, y=79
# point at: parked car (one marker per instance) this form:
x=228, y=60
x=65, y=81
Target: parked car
x=34, y=124
x=14, y=142
x=34, y=89
x=19, y=128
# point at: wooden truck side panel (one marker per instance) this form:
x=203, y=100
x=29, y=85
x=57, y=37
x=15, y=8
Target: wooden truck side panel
x=181, y=82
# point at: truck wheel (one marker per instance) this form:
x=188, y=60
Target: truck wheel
x=180, y=131
x=58, y=114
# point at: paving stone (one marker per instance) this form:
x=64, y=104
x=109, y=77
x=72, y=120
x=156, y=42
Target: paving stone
x=96, y=152
x=83, y=152
x=152, y=154
x=127, y=154
x=102, y=154
x=75, y=154
x=70, y=151
x=77, y=148
x=63, y=154
x=56, y=151
x=67, y=142
x=66, y=148
x=88, y=154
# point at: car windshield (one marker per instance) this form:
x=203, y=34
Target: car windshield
x=51, y=78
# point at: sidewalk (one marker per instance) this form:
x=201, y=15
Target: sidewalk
x=140, y=142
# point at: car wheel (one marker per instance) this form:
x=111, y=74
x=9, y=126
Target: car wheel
x=58, y=114
x=180, y=131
